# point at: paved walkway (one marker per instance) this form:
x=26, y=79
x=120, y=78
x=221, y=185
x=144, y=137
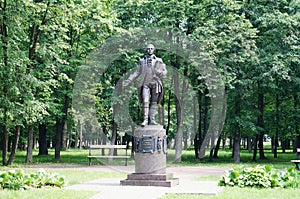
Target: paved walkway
x=111, y=189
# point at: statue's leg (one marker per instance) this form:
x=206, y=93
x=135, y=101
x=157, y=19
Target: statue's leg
x=145, y=95
x=146, y=113
x=152, y=113
x=153, y=106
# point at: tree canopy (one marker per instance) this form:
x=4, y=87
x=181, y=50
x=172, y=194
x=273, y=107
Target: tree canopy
x=253, y=46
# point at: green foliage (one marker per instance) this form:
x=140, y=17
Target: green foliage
x=43, y=43
x=261, y=177
x=18, y=179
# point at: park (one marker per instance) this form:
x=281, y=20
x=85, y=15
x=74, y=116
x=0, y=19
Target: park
x=153, y=99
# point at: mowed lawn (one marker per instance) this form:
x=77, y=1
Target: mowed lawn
x=79, y=157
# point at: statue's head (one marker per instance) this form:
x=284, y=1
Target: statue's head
x=150, y=49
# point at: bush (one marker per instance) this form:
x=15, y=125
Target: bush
x=18, y=179
x=261, y=177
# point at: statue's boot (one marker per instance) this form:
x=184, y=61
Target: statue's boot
x=146, y=113
x=152, y=113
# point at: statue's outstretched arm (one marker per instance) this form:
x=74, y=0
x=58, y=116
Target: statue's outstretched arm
x=133, y=76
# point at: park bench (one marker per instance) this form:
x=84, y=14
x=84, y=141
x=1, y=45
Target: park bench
x=98, y=151
x=297, y=161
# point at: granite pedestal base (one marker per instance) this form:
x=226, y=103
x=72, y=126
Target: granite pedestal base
x=161, y=180
x=150, y=158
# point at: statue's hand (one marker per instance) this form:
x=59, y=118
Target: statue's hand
x=161, y=74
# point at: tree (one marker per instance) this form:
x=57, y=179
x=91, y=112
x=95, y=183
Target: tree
x=42, y=48
x=276, y=41
x=13, y=75
x=229, y=37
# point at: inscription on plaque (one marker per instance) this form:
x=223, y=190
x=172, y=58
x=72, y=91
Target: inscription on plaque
x=147, y=144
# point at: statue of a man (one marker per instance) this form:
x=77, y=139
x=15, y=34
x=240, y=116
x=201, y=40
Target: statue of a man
x=150, y=69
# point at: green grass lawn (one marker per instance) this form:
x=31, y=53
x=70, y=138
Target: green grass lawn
x=74, y=157
x=49, y=193
x=79, y=176
x=224, y=159
x=79, y=157
x=242, y=193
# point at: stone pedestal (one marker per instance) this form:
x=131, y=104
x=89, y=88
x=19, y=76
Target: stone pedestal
x=150, y=158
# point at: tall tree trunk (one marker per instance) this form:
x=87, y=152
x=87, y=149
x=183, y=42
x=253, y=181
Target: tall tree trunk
x=29, y=144
x=212, y=137
x=288, y=144
x=260, y=122
x=205, y=114
x=64, y=129
x=64, y=137
x=104, y=139
x=43, y=149
x=114, y=138
x=182, y=99
x=196, y=132
x=4, y=40
x=254, y=158
x=217, y=148
x=220, y=127
x=179, y=133
x=15, y=145
x=200, y=136
x=249, y=144
x=205, y=142
x=169, y=112
x=237, y=147
x=224, y=142
x=261, y=146
x=58, y=128
x=116, y=110
x=230, y=142
x=185, y=140
x=237, y=136
x=196, y=145
x=5, y=145
x=80, y=126
x=283, y=145
x=178, y=144
x=10, y=140
x=277, y=126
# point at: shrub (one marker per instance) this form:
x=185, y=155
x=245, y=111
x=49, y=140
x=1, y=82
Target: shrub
x=261, y=177
x=18, y=179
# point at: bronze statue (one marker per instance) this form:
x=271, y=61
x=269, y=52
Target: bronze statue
x=150, y=69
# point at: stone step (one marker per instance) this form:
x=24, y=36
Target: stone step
x=160, y=183
x=156, y=177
